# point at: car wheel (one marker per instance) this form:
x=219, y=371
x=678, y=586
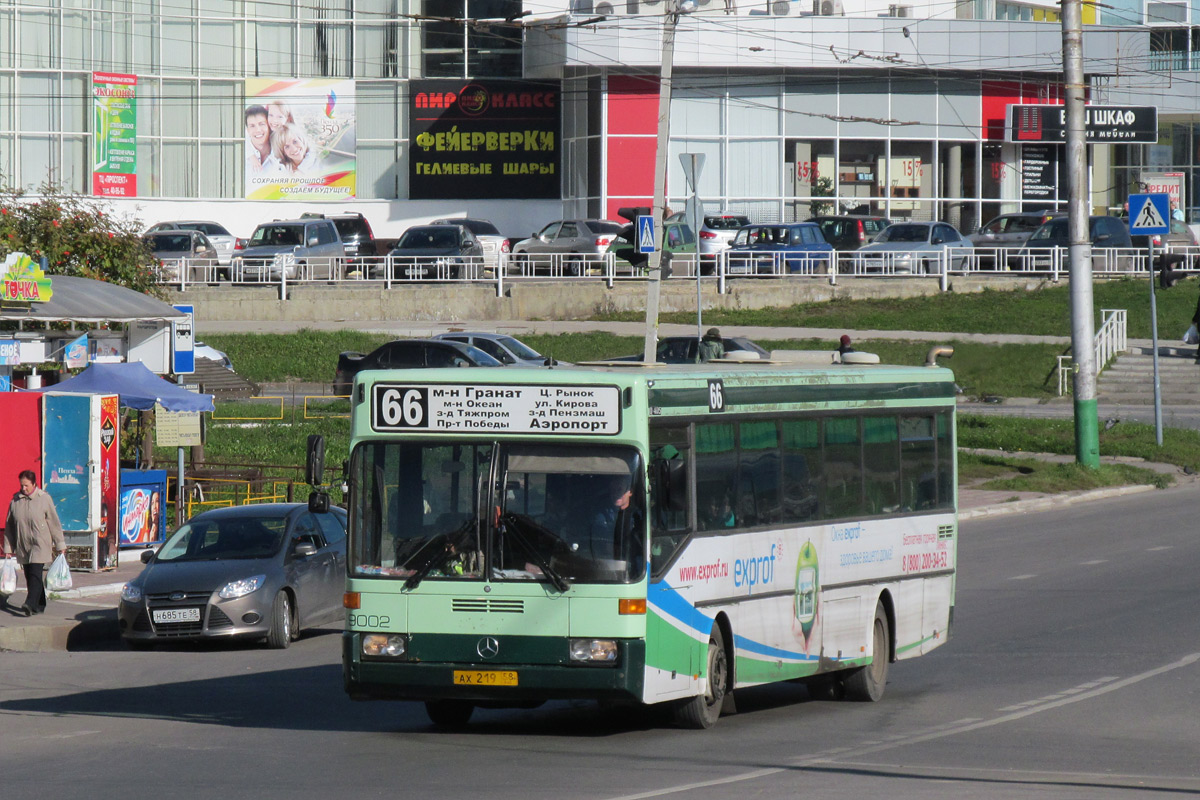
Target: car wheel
x=572, y=268
x=281, y=622
x=450, y=714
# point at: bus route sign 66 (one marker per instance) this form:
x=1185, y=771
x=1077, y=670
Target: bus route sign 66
x=399, y=407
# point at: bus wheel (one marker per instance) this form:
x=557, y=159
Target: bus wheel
x=449, y=713
x=702, y=711
x=866, y=684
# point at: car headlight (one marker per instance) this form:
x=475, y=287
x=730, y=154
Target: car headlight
x=384, y=645
x=241, y=588
x=131, y=593
x=593, y=650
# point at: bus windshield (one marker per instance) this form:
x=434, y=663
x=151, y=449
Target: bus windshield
x=498, y=511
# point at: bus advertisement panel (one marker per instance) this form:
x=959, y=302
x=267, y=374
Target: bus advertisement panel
x=648, y=545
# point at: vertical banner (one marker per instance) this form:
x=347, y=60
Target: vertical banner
x=66, y=448
x=110, y=469
x=114, y=135
x=484, y=139
x=300, y=139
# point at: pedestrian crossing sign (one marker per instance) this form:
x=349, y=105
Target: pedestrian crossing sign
x=645, y=233
x=1150, y=213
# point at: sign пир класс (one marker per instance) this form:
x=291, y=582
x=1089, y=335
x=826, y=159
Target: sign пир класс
x=484, y=139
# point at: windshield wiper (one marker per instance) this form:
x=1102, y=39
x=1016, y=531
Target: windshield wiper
x=516, y=524
x=450, y=544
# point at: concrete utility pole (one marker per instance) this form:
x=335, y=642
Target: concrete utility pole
x=672, y=10
x=1079, y=254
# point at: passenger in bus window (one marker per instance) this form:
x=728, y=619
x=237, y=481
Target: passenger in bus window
x=718, y=512
x=616, y=511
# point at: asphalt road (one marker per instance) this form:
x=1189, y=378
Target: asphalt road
x=1073, y=672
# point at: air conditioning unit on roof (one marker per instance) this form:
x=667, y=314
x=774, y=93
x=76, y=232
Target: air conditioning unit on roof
x=899, y=11
x=828, y=8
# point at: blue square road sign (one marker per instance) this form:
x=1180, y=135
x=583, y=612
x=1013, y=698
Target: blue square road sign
x=645, y=234
x=1150, y=213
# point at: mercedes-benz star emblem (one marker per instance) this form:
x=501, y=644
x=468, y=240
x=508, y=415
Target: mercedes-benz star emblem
x=488, y=647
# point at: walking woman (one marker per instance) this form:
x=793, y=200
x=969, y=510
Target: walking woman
x=34, y=535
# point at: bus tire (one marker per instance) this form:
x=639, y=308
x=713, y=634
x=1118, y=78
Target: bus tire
x=703, y=711
x=866, y=684
x=451, y=714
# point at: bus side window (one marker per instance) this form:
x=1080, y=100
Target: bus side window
x=801, y=461
x=670, y=494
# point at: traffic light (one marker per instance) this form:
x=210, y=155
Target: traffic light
x=1167, y=275
x=631, y=213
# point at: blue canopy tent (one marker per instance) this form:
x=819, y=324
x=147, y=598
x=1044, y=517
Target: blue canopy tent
x=138, y=388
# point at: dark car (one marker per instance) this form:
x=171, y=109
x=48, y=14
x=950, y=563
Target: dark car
x=494, y=243
x=355, y=231
x=435, y=252
x=850, y=231
x=686, y=349
x=1104, y=233
x=775, y=248
x=262, y=571
x=1006, y=230
x=408, y=354
x=1180, y=237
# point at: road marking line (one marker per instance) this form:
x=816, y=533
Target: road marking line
x=1093, y=563
x=1021, y=577
x=1160, y=547
x=967, y=726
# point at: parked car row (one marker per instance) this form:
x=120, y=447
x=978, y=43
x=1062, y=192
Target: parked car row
x=454, y=248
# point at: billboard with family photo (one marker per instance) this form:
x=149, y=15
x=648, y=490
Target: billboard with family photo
x=300, y=139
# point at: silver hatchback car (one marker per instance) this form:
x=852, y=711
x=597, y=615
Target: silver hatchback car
x=256, y=571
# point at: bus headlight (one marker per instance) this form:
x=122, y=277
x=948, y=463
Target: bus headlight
x=384, y=645
x=593, y=650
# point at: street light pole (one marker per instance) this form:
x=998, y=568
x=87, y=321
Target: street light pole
x=672, y=10
x=1079, y=252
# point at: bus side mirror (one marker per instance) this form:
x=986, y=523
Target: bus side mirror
x=314, y=461
x=318, y=502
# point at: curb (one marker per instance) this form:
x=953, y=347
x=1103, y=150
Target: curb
x=1051, y=501
x=91, y=591
x=95, y=627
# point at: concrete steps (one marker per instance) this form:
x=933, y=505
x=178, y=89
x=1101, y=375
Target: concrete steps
x=1130, y=379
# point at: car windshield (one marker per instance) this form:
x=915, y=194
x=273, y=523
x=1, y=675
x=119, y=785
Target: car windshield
x=480, y=227
x=225, y=537
x=518, y=349
x=556, y=513
x=905, y=233
x=1055, y=229
x=352, y=226
x=207, y=228
x=440, y=238
x=725, y=223
x=277, y=236
x=171, y=243
x=604, y=227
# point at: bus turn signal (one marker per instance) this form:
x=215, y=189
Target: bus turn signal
x=351, y=600
x=634, y=605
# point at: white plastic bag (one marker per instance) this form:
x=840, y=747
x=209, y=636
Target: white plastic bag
x=59, y=578
x=8, y=576
x=1192, y=336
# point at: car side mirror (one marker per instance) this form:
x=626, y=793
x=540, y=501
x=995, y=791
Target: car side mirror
x=146, y=556
x=313, y=241
x=305, y=550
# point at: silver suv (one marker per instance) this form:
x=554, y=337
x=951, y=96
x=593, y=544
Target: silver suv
x=292, y=249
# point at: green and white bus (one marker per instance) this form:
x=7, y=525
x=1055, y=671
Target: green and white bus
x=648, y=534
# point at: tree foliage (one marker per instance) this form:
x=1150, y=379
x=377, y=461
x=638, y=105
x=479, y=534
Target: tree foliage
x=77, y=236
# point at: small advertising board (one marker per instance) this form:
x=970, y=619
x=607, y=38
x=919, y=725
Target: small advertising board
x=142, y=507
